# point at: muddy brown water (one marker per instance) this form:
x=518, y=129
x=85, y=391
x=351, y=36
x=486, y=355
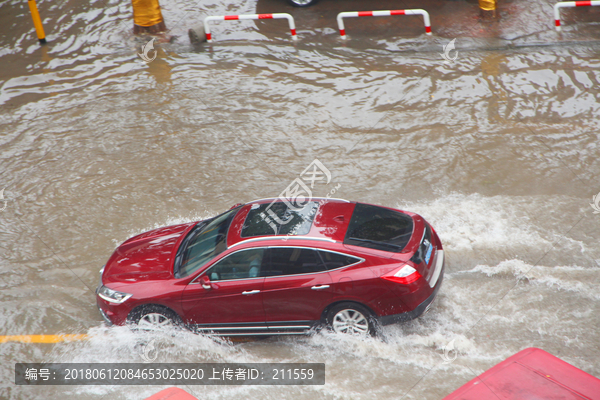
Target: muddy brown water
x=498, y=150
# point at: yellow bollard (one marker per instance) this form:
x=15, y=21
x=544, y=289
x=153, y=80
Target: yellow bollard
x=37, y=22
x=488, y=8
x=147, y=17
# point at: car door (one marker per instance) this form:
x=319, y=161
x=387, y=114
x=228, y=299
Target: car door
x=297, y=286
x=232, y=298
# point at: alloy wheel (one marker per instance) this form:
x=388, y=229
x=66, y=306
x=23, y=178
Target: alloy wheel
x=154, y=321
x=350, y=321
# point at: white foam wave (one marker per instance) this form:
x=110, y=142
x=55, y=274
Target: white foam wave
x=575, y=279
x=476, y=222
x=121, y=344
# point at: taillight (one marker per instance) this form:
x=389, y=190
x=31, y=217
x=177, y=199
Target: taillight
x=404, y=275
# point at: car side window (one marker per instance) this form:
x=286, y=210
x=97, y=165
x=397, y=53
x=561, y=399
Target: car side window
x=337, y=260
x=292, y=261
x=243, y=264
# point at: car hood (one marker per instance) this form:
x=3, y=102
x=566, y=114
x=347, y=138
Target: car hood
x=148, y=256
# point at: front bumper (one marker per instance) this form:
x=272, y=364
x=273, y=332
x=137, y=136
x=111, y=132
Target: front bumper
x=112, y=313
x=105, y=317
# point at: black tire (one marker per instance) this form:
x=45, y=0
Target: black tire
x=302, y=3
x=352, y=319
x=152, y=317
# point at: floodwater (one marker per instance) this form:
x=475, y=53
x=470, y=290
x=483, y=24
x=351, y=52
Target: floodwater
x=499, y=150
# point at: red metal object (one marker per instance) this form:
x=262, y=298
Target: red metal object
x=143, y=266
x=382, y=13
x=248, y=17
x=172, y=393
x=570, y=4
x=530, y=374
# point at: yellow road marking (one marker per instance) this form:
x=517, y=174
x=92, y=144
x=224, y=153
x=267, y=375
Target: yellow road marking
x=42, y=338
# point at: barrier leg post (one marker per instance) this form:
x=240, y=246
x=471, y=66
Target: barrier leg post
x=341, y=26
x=37, y=22
x=557, y=16
x=207, y=30
x=426, y=20
x=292, y=26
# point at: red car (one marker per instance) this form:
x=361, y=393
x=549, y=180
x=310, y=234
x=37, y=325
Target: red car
x=270, y=268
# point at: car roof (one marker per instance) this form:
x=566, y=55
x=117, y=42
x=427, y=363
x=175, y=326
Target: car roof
x=329, y=224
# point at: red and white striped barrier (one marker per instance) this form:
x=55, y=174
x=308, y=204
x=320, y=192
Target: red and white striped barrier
x=569, y=4
x=385, y=13
x=246, y=17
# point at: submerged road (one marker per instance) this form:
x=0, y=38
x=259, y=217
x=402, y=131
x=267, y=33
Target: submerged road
x=498, y=149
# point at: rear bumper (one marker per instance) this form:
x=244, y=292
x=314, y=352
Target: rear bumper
x=419, y=310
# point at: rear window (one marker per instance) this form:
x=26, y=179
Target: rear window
x=279, y=219
x=379, y=228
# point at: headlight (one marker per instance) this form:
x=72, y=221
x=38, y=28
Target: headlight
x=112, y=296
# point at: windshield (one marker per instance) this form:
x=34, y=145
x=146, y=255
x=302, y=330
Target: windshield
x=206, y=241
x=379, y=228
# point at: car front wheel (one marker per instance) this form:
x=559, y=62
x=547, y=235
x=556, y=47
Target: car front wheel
x=350, y=318
x=151, y=318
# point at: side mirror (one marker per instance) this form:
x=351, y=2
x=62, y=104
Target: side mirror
x=205, y=282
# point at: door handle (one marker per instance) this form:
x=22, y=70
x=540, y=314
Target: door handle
x=320, y=287
x=251, y=292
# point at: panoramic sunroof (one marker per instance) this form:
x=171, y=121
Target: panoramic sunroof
x=279, y=219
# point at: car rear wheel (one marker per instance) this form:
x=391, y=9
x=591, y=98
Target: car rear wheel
x=302, y=3
x=352, y=319
x=152, y=318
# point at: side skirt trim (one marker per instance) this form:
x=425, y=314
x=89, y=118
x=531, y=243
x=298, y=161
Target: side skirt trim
x=268, y=328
